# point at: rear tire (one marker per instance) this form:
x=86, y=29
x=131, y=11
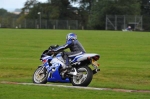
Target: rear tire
x=40, y=75
x=83, y=78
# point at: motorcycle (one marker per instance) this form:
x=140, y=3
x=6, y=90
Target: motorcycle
x=80, y=73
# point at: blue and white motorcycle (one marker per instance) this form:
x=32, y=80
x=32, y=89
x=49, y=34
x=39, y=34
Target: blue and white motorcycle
x=80, y=73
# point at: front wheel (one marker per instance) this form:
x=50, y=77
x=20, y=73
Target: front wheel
x=83, y=78
x=40, y=75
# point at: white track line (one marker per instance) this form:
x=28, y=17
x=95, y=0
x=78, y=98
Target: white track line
x=78, y=87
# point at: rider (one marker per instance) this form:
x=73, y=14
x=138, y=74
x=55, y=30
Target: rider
x=74, y=45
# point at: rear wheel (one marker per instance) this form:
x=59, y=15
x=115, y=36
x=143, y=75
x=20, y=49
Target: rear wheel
x=83, y=78
x=40, y=75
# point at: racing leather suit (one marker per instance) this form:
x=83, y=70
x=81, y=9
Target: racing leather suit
x=75, y=47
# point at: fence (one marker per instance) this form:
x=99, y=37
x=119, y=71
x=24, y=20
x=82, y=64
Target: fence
x=119, y=22
x=35, y=24
x=116, y=22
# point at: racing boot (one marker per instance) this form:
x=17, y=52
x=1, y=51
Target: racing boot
x=63, y=73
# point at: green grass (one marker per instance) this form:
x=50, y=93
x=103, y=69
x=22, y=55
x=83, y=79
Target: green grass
x=36, y=92
x=124, y=63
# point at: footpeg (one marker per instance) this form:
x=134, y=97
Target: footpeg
x=95, y=71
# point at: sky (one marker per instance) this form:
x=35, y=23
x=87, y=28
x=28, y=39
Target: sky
x=11, y=5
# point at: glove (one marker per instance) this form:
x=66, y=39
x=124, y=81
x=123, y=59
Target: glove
x=51, y=52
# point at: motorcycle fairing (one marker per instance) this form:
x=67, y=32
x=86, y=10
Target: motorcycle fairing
x=54, y=76
x=53, y=70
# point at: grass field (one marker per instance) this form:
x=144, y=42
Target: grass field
x=124, y=63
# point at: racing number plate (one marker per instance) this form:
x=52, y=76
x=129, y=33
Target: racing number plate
x=95, y=63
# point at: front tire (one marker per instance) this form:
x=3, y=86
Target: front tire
x=83, y=78
x=40, y=75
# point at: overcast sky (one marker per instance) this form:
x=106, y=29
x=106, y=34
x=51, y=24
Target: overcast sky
x=11, y=5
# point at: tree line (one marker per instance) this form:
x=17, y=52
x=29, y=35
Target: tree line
x=90, y=13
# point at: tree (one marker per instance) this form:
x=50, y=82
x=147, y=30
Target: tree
x=56, y=9
x=6, y=18
x=145, y=11
x=111, y=7
x=145, y=7
x=83, y=11
x=28, y=5
x=3, y=12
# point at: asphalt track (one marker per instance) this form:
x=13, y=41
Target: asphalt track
x=78, y=87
